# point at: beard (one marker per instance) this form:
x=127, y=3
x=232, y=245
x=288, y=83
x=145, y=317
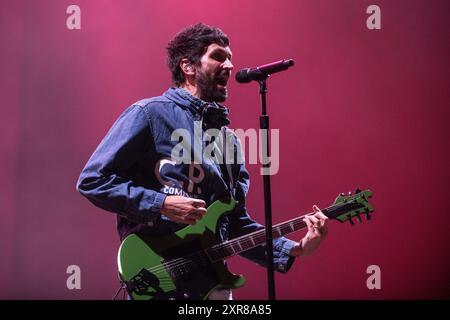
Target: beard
x=210, y=90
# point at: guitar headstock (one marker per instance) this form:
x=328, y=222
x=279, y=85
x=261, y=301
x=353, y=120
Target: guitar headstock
x=346, y=207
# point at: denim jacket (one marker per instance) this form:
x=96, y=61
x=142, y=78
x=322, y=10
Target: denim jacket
x=131, y=173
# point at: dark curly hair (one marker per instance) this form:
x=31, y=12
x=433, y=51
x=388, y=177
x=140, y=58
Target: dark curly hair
x=192, y=43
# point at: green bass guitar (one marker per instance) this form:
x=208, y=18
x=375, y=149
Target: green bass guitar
x=190, y=263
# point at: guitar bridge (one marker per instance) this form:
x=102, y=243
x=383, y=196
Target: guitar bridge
x=141, y=282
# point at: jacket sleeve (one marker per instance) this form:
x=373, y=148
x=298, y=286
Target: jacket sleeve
x=103, y=179
x=242, y=223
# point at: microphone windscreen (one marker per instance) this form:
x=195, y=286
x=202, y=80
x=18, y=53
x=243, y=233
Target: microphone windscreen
x=242, y=76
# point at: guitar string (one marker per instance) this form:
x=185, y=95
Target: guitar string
x=180, y=262
x=221, y=248
x=184, y=262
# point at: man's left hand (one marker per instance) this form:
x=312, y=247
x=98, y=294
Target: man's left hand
x=317, y=231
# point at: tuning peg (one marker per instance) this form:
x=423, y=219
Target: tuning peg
x=351, y=221
x=358, y=190
x=349, y=193
x=359, y=218
x=368, y=216
x=342, y=194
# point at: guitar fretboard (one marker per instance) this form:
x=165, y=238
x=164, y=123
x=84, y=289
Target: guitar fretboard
x=249, y=241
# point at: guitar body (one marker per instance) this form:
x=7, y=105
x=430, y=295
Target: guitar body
x=176, y=266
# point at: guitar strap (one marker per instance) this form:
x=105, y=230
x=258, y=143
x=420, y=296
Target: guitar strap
x=229, y=172
x=216, y=116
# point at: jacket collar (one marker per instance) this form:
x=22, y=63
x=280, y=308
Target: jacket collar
x=186, y=100
x=213, y=115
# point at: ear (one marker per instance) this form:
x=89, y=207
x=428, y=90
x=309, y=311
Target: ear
x=187, y=67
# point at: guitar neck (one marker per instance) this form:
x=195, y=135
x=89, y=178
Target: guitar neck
x=249, y=241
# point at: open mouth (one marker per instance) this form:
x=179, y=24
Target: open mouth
x=222, y=81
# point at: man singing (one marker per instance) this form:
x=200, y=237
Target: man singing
x=133, y=174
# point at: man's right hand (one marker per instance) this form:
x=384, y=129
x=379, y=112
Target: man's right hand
x=183, y=210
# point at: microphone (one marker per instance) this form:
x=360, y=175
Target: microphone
x=259, y=73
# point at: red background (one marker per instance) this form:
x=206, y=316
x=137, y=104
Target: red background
x=360, y=108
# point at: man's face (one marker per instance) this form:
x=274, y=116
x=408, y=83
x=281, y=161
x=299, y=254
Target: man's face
x=213, y=74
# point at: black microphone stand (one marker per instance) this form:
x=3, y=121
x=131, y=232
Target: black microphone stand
x=264, y=125
x=261, y=74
